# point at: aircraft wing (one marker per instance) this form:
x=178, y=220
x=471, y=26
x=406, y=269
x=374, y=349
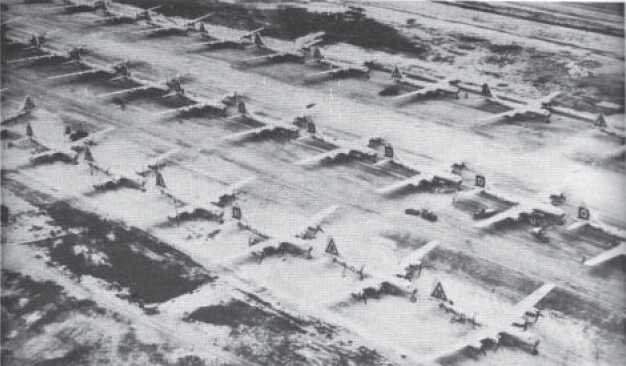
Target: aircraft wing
x=600, y=226
x=607, y=255
x=309, y=39
x=418, y=178
x=413, y=83
x=157, y=161
x=93, y=138
x=126, y=91
x=504, y=324
x=248, y=34
x=511, y=213
x=247, y=133
x=473, y=340
x=189, y=206
x=318, y=218
x=548, y=98
x=277, y=54
x=500, y=116
x=448, y=177
x=271, y=242
x=156, y=27
x=75, y=74
x=332, y=71
x=261, y=119
x=343, y=148
x=49, y=55
x=504, y=103
x=419, y=93
x=446, y=85
x=116, y=176
x=54, y=146
x=327, y=155
x=614, y=132
x=217, y=42
x=529, y=302
x=577, y=225
x=257, y=131
x=175, y=111
x=188, y=108
x=199, y=18
x=69, y=148
x=417, y=256
x=232, y=189
x=375, y=280
x=518, y=112
x=14, y=117
x=412, y=181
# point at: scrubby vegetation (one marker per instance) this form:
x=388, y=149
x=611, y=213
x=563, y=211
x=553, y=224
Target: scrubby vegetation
x=352, y=26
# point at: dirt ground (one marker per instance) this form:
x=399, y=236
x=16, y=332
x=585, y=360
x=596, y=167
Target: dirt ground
x=187, y=292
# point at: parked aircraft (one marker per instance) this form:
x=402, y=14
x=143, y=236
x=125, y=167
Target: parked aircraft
x=535, y=108
x=28, y=106
x=336, y=68
x=218, y=199
x=509, y=328
x=74, y=54
x=234, y=41
x=522, y=207
x=114, y=18
x=167, y=26
x=413, y=262
x=117, y=71
x=170, y=87
x=405, y=271
x=298, y=50
x=297, y=240
x=398, y=282
x=67, y=151
x=443, y=87
x=267, y=125
x=315, y=223
x=157, y=162
x=422, y=177
x=343, y=149
x=74, y=6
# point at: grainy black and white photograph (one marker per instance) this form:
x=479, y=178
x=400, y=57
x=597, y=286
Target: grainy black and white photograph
x=312, y=182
